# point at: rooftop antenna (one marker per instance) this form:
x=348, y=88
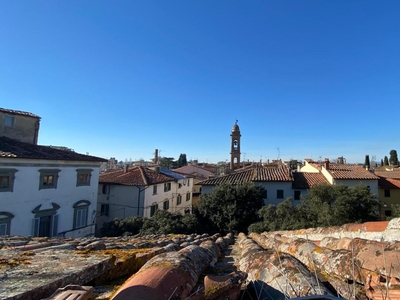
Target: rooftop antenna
x=279, y=153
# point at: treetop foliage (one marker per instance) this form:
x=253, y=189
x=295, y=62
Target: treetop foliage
x=324, y=205
x=232, y=208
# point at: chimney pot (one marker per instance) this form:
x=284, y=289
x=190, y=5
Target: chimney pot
x=326, y=163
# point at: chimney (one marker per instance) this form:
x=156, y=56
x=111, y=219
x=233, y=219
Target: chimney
x=156, y=156
x=326, y=163
x=126, y=169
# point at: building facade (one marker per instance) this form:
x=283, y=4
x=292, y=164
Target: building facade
x=46, y=191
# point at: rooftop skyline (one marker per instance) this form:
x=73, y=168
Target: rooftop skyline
x=305, y=79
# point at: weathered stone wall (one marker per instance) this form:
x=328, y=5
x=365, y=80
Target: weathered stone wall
x=26, y=128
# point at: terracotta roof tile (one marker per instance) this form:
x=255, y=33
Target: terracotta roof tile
x=389, y=174
x=388, y=183
x=303, y=180
x=140, y=176
x=280, y=173
x=339, y=171
x=10, y=148
x=18, y=112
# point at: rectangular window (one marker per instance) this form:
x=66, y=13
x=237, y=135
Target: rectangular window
x=83, y=177
x=104, y=210
x=3, y=229
x=81, y=217
x=48, y=178
x=179, y=185
x=9, y=121
x=297, y=195
x=387, y=193
x=279, y=194
x=4, y=182
x=155, y=189
x=179, y=199
x=265, y=194
x=153, y=209
x=105, y=190
x=166, y=205
x=7, y=177
x=388, y=213
x=167, y=186
x=188, y=181
x=188, y=196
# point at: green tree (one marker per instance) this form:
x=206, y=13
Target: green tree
x=367, y=163
x=324, y=205
x=394, y=161
x=118, y=227
x=386, y=161
x=232, y=208
x=167, y=162
x=381, y=162
x=164, y=222
x=182, y=161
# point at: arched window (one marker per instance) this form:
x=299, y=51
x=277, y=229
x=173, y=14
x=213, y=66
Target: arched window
x=81, y=209
x=5, y=222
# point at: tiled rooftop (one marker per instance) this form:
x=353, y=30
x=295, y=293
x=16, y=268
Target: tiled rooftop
x=388, y=183
x=10, y=148
x=255, y=174
x=345, y=171
x=140, y=176
x=18, y=112
x=350, y=172
x=389, y=174
x=303, y=180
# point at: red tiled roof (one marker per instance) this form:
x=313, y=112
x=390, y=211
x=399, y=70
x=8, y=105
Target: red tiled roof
x=388, y=183
x=389, y=174
x=18, y=112
x=339, y=171
x=140, y=176
x=280, y=173
x=11, y=148
x=303, y=180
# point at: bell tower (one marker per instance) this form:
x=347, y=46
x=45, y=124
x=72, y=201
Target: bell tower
x=235, y=147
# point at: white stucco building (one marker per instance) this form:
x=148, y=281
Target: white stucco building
x=345, y=174
x=46, y=191
x=277, y=181
x=141, y=191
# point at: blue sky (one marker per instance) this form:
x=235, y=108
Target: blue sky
x=122, y=78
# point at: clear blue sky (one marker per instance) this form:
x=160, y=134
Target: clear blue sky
x=121, y=78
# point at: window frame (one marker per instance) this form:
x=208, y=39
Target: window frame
x=12, y=118
x=188, y=196
x=298, y=194
x=155, y=189
x=167, y=186
x=166, y=205
x=82, y=205
x=387, y=193
x=48, y=172
x=104, y=209
x=278, y=194
x=49, y=212
x=178, y=199
x=80, y=172
x=153, y=209
x=10, y=174
x=5, y=219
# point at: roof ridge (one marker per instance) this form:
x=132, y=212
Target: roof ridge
x=143, y=175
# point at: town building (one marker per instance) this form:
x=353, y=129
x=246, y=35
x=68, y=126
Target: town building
x=276, y=181
x=44, y=191
x=141, y=191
